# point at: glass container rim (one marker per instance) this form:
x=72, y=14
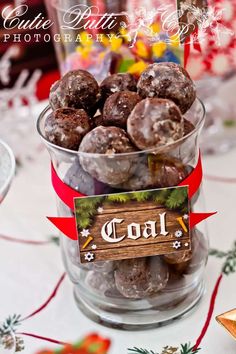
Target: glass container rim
x=10, y=176
x=197, y=128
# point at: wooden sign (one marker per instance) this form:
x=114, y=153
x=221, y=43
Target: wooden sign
x=190, y=12
x=131, y=225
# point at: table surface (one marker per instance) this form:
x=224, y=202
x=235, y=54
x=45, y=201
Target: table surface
x=29, y=272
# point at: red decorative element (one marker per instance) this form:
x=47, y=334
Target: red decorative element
x=194, y=180
x=210, y=313
x=220, y=179
x=196, y=218
x=196, y=44
x=66, y=225
x=102, y=344
x=50, y=340
x=218, y=42
x=18, y=240
x=92, y=343
x=45, y=84
x=54, y=293
x=64, y=192
x=187, y=45
x=68, y=194
x=187, y=49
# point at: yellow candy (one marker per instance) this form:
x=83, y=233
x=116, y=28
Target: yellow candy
x=141, y=49
x=116, y=43
x=85, y=40
x=155, y=27
x=102, y=55
x=123, y=31
x=124, y=34
x=175, y=40
x=159, y=49
x=138, y=67
x=105, y=41
x=84, y=51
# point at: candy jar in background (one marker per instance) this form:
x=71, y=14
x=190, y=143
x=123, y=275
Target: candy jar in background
x=129, y=47
x=7, y=169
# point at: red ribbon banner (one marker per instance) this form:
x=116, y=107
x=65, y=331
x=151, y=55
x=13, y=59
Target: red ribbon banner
x=193, y=37
x=67, y=225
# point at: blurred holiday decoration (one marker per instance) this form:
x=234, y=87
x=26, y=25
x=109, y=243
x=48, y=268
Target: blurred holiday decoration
x=210, y=60
x=217, y=93
x=21, y=69
x=7, y=169
x=92, y=344
x=16, y=106
x=228, y=321
x=23, y=90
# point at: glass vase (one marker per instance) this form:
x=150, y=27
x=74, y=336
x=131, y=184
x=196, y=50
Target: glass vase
x=177, y=281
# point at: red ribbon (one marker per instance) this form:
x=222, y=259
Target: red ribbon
x=67, y=225
x=64, y=192
x=186, y=51
x=187, y=45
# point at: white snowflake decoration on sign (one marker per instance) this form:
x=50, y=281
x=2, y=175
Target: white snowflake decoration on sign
x=176, y=245
x=94, y=247
x=85, y=233
x=89, y=256
x=178, y=233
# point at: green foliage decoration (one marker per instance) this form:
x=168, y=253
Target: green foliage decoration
x=86, y=208
x=186, y=348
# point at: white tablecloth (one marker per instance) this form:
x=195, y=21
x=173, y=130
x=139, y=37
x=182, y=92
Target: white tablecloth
x=28, y=273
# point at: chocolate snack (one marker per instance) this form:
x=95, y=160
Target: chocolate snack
x=103, y=283
x=66, y=127
x=142, y=277
x=117, y=83
x=98, y=120
x=155, y=122
x=188, y=262
x=82, y=182
x=77, y=89
x=188, y=127
x=156, y=171
x=107, y=168
x=168, y=80
x=118, y=107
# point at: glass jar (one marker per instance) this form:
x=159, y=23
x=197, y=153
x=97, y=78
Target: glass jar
x=134, y=39
x=7, y=169
x=117, y=293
